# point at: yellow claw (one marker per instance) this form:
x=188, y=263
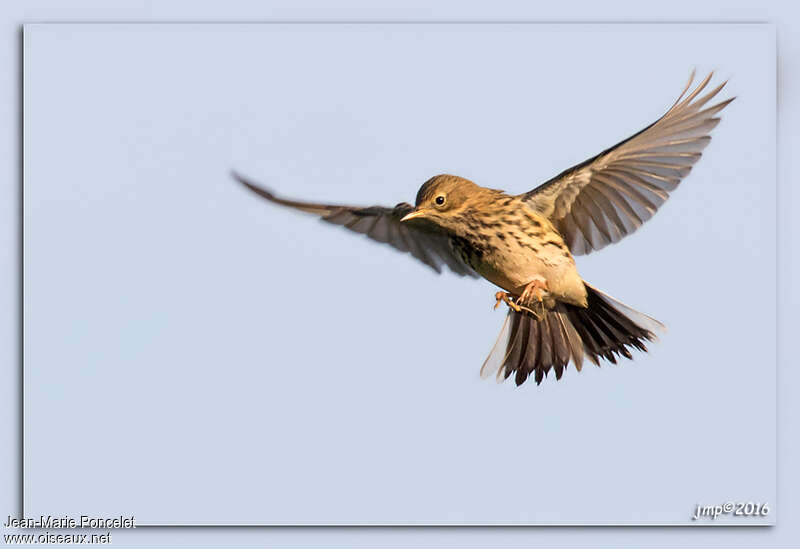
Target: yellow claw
x=535, y=288
x=506, y=298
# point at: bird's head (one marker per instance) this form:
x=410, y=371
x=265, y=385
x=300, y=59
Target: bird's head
x=443, y=198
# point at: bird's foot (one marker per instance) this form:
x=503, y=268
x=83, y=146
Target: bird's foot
x=505, y=297
x=508, y=299
x=535, y=289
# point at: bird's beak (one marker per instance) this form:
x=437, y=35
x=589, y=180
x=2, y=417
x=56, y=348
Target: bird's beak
x=414, y=214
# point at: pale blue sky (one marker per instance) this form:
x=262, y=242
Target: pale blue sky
x=267, y=368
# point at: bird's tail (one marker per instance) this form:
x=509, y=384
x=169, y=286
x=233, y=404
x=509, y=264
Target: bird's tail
x=604, y=329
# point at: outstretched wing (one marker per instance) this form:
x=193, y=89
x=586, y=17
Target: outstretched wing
x=421, y=240
x=609, y=196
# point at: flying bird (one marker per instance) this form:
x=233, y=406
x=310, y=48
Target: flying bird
x=525, y=243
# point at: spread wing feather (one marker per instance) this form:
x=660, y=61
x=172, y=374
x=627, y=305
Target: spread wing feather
x=607, y=197
x=423, y=241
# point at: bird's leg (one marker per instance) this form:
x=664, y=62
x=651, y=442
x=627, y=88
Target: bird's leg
x=536, y=289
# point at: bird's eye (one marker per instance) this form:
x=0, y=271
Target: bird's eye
x=439, y=200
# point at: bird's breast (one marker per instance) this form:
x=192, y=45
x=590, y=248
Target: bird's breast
x=516, y=246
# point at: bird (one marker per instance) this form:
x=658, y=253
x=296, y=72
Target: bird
x=526, y=244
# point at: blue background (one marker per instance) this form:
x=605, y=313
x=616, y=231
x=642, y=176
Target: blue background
x=15, y=13
x=252, y=366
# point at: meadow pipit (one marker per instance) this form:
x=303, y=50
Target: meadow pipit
x=525, y=243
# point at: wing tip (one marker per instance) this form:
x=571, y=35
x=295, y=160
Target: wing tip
x=252, y=186
x=238, y=177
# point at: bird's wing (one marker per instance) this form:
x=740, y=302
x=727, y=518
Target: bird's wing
x=421, y=240
x=609, y=196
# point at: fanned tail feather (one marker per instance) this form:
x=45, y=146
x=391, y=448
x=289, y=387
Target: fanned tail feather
x=606, y=328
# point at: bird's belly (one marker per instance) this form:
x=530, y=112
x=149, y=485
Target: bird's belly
x=514, y=267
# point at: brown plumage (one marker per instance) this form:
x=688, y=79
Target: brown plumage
x=525, y=243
